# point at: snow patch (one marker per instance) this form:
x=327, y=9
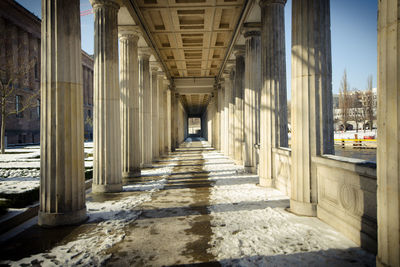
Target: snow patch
x=90, y=248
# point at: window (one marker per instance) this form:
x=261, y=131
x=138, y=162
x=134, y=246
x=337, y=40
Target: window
x=36, y=69
x=89, y=113
x=18, y=106
x=38, y=108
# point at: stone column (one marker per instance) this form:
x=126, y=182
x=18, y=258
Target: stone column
x=161, y=113
x=62, y=178
x=154, y=112
x=312, y=118
x=176, y=120
x=129, y=86
x=146, y=120
x=169, y=120
x=107, y=172
x=273, y=106
x=251, y=95
x=172, y=116
x=219, y=117
x=230, y=111
x=222, y=132
x=239, y=93
x=388, y=163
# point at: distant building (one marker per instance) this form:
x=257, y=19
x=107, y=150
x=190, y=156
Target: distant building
x=360, y=100
x=19, y=41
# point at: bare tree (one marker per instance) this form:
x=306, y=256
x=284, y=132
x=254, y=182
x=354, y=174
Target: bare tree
x=14, y=76
x=344, y=100
x=356, y=107
x=369, y=102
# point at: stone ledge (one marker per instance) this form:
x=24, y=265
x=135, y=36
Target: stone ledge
x=31, y=212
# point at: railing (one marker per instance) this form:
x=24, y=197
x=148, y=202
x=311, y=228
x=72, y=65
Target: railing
x=357, y=143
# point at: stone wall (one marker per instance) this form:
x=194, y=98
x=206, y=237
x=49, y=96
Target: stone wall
x=282, y=166
x=347, y=198
x=346, y=193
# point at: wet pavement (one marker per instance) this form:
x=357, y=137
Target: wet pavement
x=175, y=227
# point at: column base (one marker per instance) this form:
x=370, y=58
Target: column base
x=127, y=175
x=48, y=220
x=106, y=188
x=303, y=208
x=250, y=169
x=147, y=165
x=265, y=182
x=379, y=263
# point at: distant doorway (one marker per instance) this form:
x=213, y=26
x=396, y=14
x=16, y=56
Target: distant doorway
x=194, y=126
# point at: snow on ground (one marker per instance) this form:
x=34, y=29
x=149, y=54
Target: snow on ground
x=110, y=219
x=351, y=134
x=18, y=184
x=20, y=168
x=252, y=228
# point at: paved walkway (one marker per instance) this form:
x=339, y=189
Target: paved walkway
x=193, y=207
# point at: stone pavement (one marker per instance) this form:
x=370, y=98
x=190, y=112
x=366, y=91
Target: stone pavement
x=208, y=213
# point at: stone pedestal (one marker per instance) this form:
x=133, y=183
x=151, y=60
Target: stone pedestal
x=251, y=96
x=146, y=120
x=154, y=113
x=312, y=118
x=106, y=129
x=62, y=179
x=273, y=106
x=129, y=86
x=239, y=94
x=388, y=163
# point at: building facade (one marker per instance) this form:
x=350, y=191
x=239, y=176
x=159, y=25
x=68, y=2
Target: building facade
x=20, y=34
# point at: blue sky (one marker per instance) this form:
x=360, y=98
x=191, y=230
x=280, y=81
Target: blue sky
x=354, y=38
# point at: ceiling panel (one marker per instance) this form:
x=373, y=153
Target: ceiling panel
x=192, y=35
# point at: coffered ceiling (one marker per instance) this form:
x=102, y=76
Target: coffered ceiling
x=191, y=35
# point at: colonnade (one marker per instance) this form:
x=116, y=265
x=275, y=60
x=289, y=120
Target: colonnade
x=131, y=110
x=138, y=117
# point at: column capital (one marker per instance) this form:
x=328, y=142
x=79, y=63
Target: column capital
x=239, y=50
x=154, y=67
x=105, y=3
x=129, y=32
x=271, y=2
x=229, y=66
x=145, y=53
x=251, y=29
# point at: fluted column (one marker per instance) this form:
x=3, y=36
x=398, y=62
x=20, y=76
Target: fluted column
x=169, y=119
x=146, y=121
x=219, y=117
x=62, y=179
x=251, y=96
x=388, y=163
x=161, y=113
x=175, y=119
x=129, y=86
x=239, y=93
x=229, y=86
x=107, y=172
x=273, y=106
x=312, y=119
x=154, y=112
x=222, y=132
